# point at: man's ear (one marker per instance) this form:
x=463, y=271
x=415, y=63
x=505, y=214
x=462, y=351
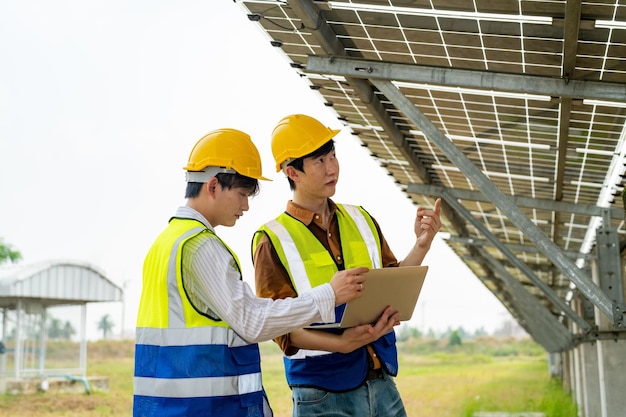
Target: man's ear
x=292, y=173
x=211, y=186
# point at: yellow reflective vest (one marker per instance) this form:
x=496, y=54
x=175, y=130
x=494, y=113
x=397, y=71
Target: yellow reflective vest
x=185, y=362
x=309, y=264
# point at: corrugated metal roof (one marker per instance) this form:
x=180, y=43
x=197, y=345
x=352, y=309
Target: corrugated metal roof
x=55, y=283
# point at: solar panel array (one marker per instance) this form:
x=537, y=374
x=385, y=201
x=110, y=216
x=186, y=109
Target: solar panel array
x=562, y=145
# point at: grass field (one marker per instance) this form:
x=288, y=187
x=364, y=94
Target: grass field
x=439, y=383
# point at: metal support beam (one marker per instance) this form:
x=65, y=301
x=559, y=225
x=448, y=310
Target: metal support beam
x=42, y=340
x=556, y=300
x=570, y=37
x=3, y=338
x=519, y=201
x=594, y=336
x=314, y=22
x=19, y=339
x=545, y=328
x=517, y=248
x=82, y=356
x=482, y=80
x=610, y=266
x=534, y=233
x=313, y=19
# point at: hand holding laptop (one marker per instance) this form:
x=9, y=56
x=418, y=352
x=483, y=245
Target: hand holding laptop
x=348, y=284
x=354, y=337
x=397, y=287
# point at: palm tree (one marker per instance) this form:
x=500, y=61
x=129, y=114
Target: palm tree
x=106, y=325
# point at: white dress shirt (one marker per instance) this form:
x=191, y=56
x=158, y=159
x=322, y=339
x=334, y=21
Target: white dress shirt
x=215, y=287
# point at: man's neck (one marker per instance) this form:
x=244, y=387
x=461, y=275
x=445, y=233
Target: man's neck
x=317, y=206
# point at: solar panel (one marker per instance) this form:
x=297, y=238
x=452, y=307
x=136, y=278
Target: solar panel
x=531, y=92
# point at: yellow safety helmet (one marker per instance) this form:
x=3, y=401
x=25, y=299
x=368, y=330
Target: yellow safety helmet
x=223, y=150
x=298, y=135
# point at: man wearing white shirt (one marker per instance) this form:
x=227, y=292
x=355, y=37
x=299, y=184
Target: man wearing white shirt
x=198, y=322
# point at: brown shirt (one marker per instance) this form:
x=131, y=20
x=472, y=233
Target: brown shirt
x=271, y=278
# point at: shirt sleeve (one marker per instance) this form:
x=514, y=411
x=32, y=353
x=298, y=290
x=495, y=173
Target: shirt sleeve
x=215, y=287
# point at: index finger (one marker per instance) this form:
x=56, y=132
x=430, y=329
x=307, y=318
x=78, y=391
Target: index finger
x=437, y=207
x=359, y=270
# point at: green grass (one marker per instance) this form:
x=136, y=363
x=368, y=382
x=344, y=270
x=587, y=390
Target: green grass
x=438, y=381
x=450, y=382
x=461, y=387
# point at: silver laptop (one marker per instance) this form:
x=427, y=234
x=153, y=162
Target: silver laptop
x=396, y=287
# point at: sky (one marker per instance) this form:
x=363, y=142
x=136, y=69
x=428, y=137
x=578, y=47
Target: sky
x=100, y=105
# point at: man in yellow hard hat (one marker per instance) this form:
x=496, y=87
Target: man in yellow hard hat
x=199, y=323
x=330, y=373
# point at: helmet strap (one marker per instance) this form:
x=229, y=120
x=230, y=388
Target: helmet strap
x=287, y=162
x=207, y=173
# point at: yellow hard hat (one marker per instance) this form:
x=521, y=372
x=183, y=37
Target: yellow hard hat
x=229, y=150
x=298, y=135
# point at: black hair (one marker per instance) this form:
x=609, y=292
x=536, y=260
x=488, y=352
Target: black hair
x=227, y=181
x=298, y=163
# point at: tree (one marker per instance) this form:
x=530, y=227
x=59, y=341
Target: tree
x=455, y=338
x=55, y=331
x=106, y=325
x=480, y=332
x=8, y=253
x=59, y=330
x=68, y=330
x=407, y=332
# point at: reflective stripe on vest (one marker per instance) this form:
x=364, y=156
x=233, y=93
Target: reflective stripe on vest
x=191, y=336
x=174, y=281
x=296, y=269
x=183, y=359
x=368, y=233
x=197, y=387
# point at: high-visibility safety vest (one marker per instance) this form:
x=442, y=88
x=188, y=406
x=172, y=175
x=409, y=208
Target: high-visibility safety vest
x=187, y=364
x=309, y=264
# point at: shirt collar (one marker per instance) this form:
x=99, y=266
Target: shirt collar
x=186, y=212
x=304, y=215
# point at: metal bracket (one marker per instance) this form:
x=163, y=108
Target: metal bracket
x=595, y=335
x=619, y=315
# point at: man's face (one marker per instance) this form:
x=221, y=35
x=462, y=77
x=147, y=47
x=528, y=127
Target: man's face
x=320, y=175
x=232, y=203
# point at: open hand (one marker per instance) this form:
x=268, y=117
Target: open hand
x=355, y=337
